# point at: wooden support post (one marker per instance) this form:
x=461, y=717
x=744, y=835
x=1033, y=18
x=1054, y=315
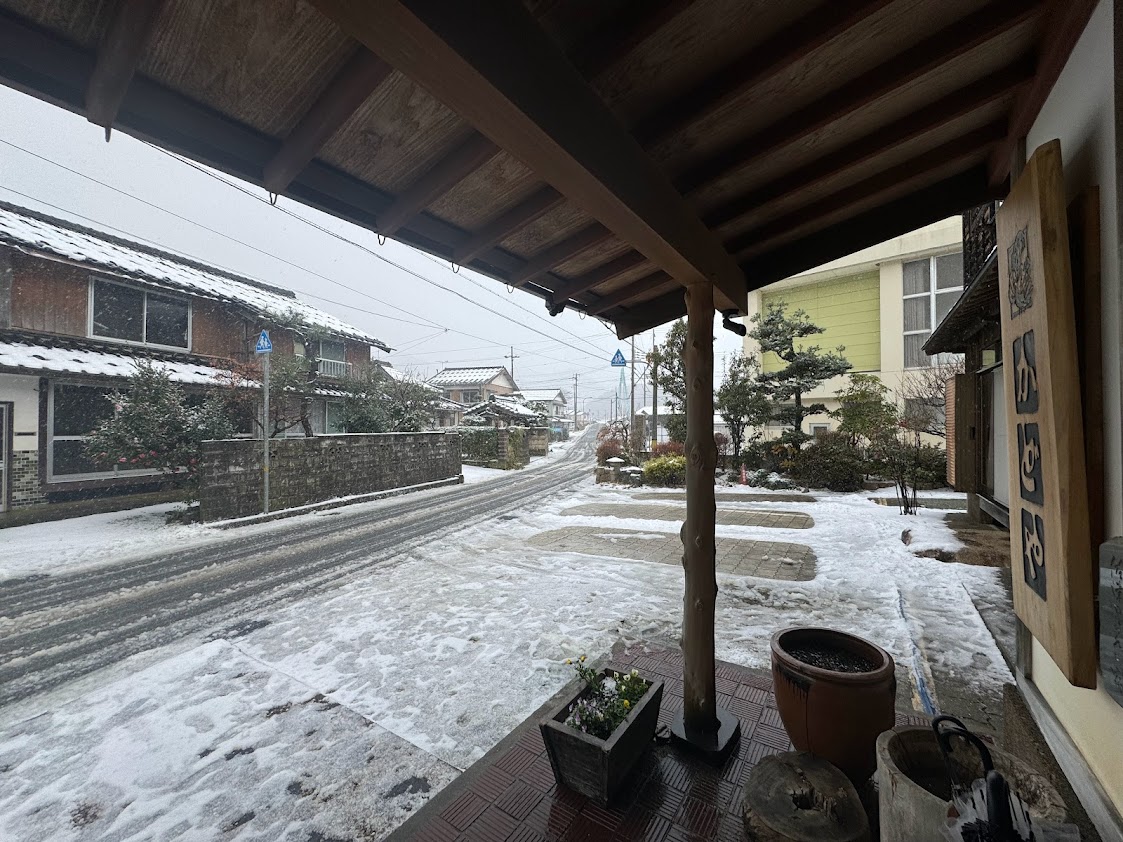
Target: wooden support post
x=701, y=725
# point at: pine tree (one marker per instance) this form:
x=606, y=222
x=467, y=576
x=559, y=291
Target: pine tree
x=743, y=400
x=807, y=366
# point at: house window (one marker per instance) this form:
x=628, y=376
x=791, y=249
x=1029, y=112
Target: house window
x=72, y=413
x=472, y=396
x=127, y=314
x=931, y=288
x=819, y=429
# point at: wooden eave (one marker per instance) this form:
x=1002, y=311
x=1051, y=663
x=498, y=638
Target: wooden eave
x=973, y=312
x=600, y=156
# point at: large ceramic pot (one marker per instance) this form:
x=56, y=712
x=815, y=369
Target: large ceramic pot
x=599, y=769
x=836, y=694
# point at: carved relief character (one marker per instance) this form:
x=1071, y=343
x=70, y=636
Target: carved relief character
x=1033, y=552
x=1029, y=463
x=1026, y=397
x=1020, y=281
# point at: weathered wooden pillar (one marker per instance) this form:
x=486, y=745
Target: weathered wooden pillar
x=701, y=725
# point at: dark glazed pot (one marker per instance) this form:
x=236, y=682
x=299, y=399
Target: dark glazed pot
x=835, y=715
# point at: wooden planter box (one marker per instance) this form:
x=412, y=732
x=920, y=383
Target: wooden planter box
x=598, y=769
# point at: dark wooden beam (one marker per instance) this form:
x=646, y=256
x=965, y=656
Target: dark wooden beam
x=559, y=253
x=446, y=174
x=124, y=39
x=508, y=223
x=921, y=207
x=349, y=89
x=922, y=121
x=651, y=314
x=1065, y=22
x=35, y=61
x=504, y=75
x=973, y=144
x=782, y=50
x=630, y=26
x=630, y=292
x=898, y=72
x=595, y=277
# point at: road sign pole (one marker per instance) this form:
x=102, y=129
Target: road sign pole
x=265, y=432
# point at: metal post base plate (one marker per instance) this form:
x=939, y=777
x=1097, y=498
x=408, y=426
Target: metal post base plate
x=714, y=746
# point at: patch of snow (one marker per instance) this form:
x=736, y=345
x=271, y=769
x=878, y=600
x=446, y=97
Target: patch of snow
x=101, y=363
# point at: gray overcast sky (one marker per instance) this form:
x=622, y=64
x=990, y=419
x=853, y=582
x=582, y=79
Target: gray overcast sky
x=430, y=327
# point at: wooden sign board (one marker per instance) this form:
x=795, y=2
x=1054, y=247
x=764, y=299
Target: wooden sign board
x=1050, y=543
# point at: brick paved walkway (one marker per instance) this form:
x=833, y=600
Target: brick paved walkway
x=510, y=795
x=725, y=517
x=735, y=556
x=733, y=496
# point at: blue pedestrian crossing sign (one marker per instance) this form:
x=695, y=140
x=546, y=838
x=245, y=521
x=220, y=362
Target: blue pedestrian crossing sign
x=264, y=346
x=618, y=360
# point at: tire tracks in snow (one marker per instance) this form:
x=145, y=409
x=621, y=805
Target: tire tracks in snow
x=81, y=627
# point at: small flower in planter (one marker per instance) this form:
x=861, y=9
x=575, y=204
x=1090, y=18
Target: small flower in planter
x=606, y=701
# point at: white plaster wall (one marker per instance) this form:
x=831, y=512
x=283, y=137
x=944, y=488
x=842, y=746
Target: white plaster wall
x=23, y=391
x=1080, y=112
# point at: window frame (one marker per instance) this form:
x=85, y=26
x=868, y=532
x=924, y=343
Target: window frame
x=51, y=438
x=143, y=343
x=932, y=292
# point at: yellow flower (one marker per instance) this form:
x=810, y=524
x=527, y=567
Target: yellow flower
x=569, y=660
x=582, y=659
x=627, y=704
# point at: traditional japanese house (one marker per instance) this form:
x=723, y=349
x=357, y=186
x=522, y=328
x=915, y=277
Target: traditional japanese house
x=78, y=308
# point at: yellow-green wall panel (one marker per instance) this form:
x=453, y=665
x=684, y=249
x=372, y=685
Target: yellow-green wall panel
x=849, y=310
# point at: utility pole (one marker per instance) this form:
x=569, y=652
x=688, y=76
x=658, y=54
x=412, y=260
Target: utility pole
x=575, y=403
x=632, y=441
x=654, y=396
x=511, y=356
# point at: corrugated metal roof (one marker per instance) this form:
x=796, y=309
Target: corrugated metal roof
x=29, y=230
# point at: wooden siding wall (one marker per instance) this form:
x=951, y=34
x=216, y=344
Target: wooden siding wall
x=48, y=297
x=217, y=332
x=849, y=309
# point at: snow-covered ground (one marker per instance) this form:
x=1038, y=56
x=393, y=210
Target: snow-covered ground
x=432, y=660
x=81, y=543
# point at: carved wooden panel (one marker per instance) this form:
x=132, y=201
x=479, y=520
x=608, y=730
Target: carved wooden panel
x=1049, y=531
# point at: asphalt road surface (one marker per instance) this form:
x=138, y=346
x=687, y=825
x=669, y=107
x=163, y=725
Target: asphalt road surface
x=57, y=629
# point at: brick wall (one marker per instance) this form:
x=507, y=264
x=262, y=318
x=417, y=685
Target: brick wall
x=308, y=470
x=25, y=478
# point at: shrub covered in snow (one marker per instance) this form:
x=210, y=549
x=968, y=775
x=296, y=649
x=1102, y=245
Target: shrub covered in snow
x=156, y=426
x=478, y=444
x=832, y=461
x=763, y=478
x=665, y=470
x=606, y=702
x=608, y=449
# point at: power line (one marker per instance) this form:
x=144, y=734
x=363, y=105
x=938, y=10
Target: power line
x=206, y=171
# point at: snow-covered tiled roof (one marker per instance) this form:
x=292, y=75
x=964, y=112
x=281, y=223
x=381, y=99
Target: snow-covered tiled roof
x=466, y=376
x=84, y=361
x=404, y=376
x=542, y=395
x=33, y=231
x=509, y=406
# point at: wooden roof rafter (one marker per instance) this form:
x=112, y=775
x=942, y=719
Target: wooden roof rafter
x=897, y=72
x=129, y=30
x=350, y=88
x=504, y=75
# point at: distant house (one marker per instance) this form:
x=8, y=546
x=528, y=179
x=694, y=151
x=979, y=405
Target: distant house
x=447, y=413
x=473, y=385
x=553, y=402
x=504, y=411
x=79, y=307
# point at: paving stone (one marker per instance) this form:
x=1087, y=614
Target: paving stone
x=673, y=511
x=735, y=556
x=732, y=496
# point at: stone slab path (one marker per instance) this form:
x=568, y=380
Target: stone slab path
x=735, y=556
x=733, y=496
x=725, y=517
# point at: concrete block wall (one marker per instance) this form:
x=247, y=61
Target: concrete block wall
x=538, y=441
x=309, y=470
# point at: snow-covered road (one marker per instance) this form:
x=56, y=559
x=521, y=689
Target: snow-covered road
x=339, y=713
